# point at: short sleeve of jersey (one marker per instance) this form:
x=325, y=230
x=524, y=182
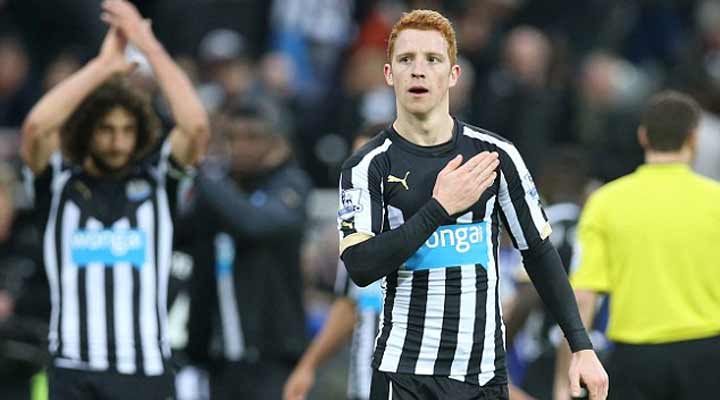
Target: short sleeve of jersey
x=41, y=186
x=519, y=201
x=361, y=203
x=176, y=178
x=590, y=260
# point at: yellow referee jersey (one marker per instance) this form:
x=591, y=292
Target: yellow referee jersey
x=652, y=241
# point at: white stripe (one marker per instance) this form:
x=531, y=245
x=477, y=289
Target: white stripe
x=340, y=279
x=395, y=217
x=152, y=360
x=466, y=324
x=487, y=362
x=164, y=243
x=512, y=218
x=363, y=352
x=50, y=257
x=234, y=344
x=434, y=315
x=70, y=322
x=233, y=341
x=390, y=391
x=95, y=298
x=123, y=311
x=399, y=317
x=531, y=201
x=363, y=219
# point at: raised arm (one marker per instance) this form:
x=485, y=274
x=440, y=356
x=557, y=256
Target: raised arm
x=190, y=135
x=41, y=126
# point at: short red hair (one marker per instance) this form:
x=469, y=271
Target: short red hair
x=425, y=20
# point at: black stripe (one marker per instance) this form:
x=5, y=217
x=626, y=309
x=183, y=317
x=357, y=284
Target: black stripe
x=391, y=288
x=499, y=345
x=83, y=315
x=473, y=368
x=59, y=261
x=156, y=216
x=451, y=321
x=376, y=196
x=110, y=315
x=415, y=321
x=137, y=329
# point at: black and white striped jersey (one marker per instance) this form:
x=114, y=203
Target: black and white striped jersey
x=107, y=247
x=441, y=310
x=368, y=302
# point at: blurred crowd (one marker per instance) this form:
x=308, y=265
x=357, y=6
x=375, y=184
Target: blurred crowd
x=547, y=75
x=538, y=73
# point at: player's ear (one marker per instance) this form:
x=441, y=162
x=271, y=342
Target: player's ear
x=642, y=137
x=455, y=72
x=387, y=71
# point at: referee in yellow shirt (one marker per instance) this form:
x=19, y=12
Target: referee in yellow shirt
x=651, y=240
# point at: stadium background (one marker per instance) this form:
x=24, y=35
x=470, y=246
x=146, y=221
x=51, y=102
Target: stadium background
x=545, y=74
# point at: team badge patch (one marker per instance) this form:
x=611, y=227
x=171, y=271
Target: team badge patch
x=350, y=203
x=137, y=189
x=529, y=185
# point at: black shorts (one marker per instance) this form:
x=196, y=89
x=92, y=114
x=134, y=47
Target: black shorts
x=72, y=384
x=685, y=370
x=390, y=386
x=263, y=380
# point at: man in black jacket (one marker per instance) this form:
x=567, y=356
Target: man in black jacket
x=247, y=319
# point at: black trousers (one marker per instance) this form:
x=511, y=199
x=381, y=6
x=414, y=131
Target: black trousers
x=71, y=384
x=390, y=386
x=685, y=370
x=263, y=380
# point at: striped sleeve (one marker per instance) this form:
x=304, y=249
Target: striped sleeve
x=361, y=195
x=519, y=200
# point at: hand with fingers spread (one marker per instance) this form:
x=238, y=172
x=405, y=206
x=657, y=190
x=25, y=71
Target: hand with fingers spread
x=123, y=15
x=458, y=186
x=586, y=368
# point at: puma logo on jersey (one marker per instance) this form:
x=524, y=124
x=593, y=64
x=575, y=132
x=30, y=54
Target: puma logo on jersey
x=403, y=181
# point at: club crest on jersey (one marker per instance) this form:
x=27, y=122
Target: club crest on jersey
x=350, y=199
x=108, y=247
x=137, y=189
x=453, y=245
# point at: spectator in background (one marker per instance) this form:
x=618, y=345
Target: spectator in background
x=228, y=68
x=649, y=240
x=610, y=95
x=24, y=298
x=517, y=99
x=16, y=90
x=247, y=320
x=64, y=65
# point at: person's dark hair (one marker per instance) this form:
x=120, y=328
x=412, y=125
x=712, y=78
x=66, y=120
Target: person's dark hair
x=564, y=174
x=75, y=135
x=669, y=118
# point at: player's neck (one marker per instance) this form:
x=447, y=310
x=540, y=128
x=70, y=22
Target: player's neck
x=430, y=130
x=94, y=170
x=684, y=156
